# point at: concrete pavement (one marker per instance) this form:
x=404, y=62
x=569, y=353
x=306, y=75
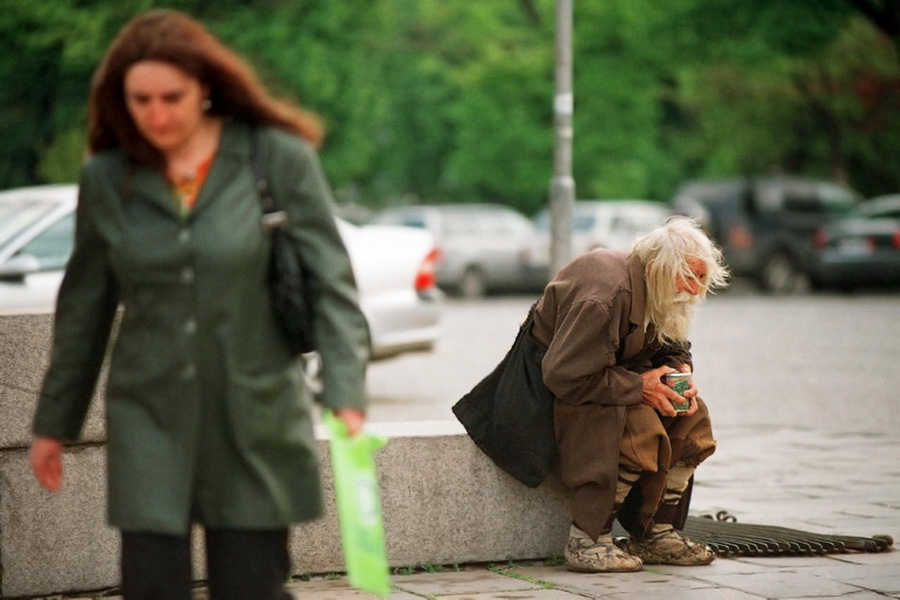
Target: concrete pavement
x=845, y=484
x=838, y=484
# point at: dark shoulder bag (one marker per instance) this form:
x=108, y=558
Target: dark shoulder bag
x=288, y=283
x=509, y=413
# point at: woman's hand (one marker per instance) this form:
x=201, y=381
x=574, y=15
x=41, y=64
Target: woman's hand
x=353, y=418
x=46, y=462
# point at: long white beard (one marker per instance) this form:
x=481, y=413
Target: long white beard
x=674, y=322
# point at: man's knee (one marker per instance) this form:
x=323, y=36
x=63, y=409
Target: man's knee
x=645, y=442
x=691, y=437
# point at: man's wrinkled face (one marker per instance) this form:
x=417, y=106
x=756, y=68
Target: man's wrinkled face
x=689, y=288
x=672, y=310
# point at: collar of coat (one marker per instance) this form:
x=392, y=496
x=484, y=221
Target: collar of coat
x=620, y=273
x=232, y=154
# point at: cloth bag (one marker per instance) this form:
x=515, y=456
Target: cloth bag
x=288, y=281
x=359, y=506
x=509, y=413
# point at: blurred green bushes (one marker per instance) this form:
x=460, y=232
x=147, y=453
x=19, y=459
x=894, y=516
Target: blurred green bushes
x=450, y=100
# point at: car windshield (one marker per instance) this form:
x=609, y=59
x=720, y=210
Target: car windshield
x=641, y=218
x=836, y=200
x=887, y=207
x=635, y=217
x=19, y=214
x=582, y=220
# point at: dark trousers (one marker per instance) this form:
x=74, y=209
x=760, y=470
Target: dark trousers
x=240, y=565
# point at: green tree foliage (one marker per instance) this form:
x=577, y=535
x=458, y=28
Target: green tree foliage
x=44, y=62
x=324, y=55
x=440, y=100
x=788, y=86
x=619, y=74
x=502, y=149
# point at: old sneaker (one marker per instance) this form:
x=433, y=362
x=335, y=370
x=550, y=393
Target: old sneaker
x=583, y=555
x=670, y=548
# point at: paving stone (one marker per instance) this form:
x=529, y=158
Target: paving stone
x=463, y=582
x=782, y=584
x=707, y=594
x=824, y=562
x=749, y=564
x=336, y=589
x=541, y=594
x=861, y=595
x=871, y=577
x=649, y=582
x=891, y=558
x=868, y=510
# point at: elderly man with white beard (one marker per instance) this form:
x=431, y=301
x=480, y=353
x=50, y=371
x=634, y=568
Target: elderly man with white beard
x=612, y=324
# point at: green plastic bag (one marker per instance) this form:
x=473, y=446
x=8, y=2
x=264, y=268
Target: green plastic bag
x=359, y=506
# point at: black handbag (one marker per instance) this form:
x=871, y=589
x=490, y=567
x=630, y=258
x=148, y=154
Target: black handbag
x=288, y=282
x=509, y=413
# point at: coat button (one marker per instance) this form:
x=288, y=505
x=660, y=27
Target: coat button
x=184, y=235
x=189, y=371
x=190, y=326
x=187, y=275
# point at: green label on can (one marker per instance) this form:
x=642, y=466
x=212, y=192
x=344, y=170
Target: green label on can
x=680, y=382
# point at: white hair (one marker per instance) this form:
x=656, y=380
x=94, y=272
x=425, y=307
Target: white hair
x=664, y=252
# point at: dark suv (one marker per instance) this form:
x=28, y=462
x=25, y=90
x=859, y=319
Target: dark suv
x=766, y=225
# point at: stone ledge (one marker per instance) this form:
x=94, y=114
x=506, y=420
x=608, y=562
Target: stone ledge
x=24, y=355
x=443, y=502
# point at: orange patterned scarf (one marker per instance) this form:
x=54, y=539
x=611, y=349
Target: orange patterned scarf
x=188, y=188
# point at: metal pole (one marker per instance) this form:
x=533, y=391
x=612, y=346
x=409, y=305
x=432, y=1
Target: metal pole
x=562, y=186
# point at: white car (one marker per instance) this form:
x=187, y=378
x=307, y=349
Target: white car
x=394, y=267
x=614, y=224
x=484, y=247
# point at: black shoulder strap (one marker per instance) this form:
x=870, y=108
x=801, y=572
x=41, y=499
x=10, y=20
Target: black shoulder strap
x=258, y=162
x=273, y=217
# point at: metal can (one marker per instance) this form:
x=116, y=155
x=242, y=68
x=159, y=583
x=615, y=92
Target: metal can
x=680, y=382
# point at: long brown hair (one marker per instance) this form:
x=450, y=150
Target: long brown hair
x=177, y=39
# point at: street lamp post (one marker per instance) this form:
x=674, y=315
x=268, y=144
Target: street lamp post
x=562, y=186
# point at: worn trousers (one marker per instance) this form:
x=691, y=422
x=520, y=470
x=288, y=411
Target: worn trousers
x=650, y=444
x=240, y=565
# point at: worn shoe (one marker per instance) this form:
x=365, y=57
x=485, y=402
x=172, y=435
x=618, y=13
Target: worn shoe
x=670, y=548
x=583, y=555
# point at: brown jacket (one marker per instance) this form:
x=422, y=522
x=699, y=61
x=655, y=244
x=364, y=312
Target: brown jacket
x=591, y=321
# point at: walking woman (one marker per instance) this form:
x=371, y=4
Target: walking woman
x=207, y=416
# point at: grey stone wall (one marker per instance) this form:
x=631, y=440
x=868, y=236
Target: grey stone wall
x=443, y=501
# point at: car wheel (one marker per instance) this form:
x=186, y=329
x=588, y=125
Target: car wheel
x=472, y=284
x=778, y=274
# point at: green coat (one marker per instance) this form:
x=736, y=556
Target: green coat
x=208, y=417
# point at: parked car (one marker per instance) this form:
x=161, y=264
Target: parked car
x=484, y=247
x=862, y=248
x=394, y=267
x=596, y=224
x=766, y=225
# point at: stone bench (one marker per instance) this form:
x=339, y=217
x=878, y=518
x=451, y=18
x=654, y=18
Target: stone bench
x=443, y=500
